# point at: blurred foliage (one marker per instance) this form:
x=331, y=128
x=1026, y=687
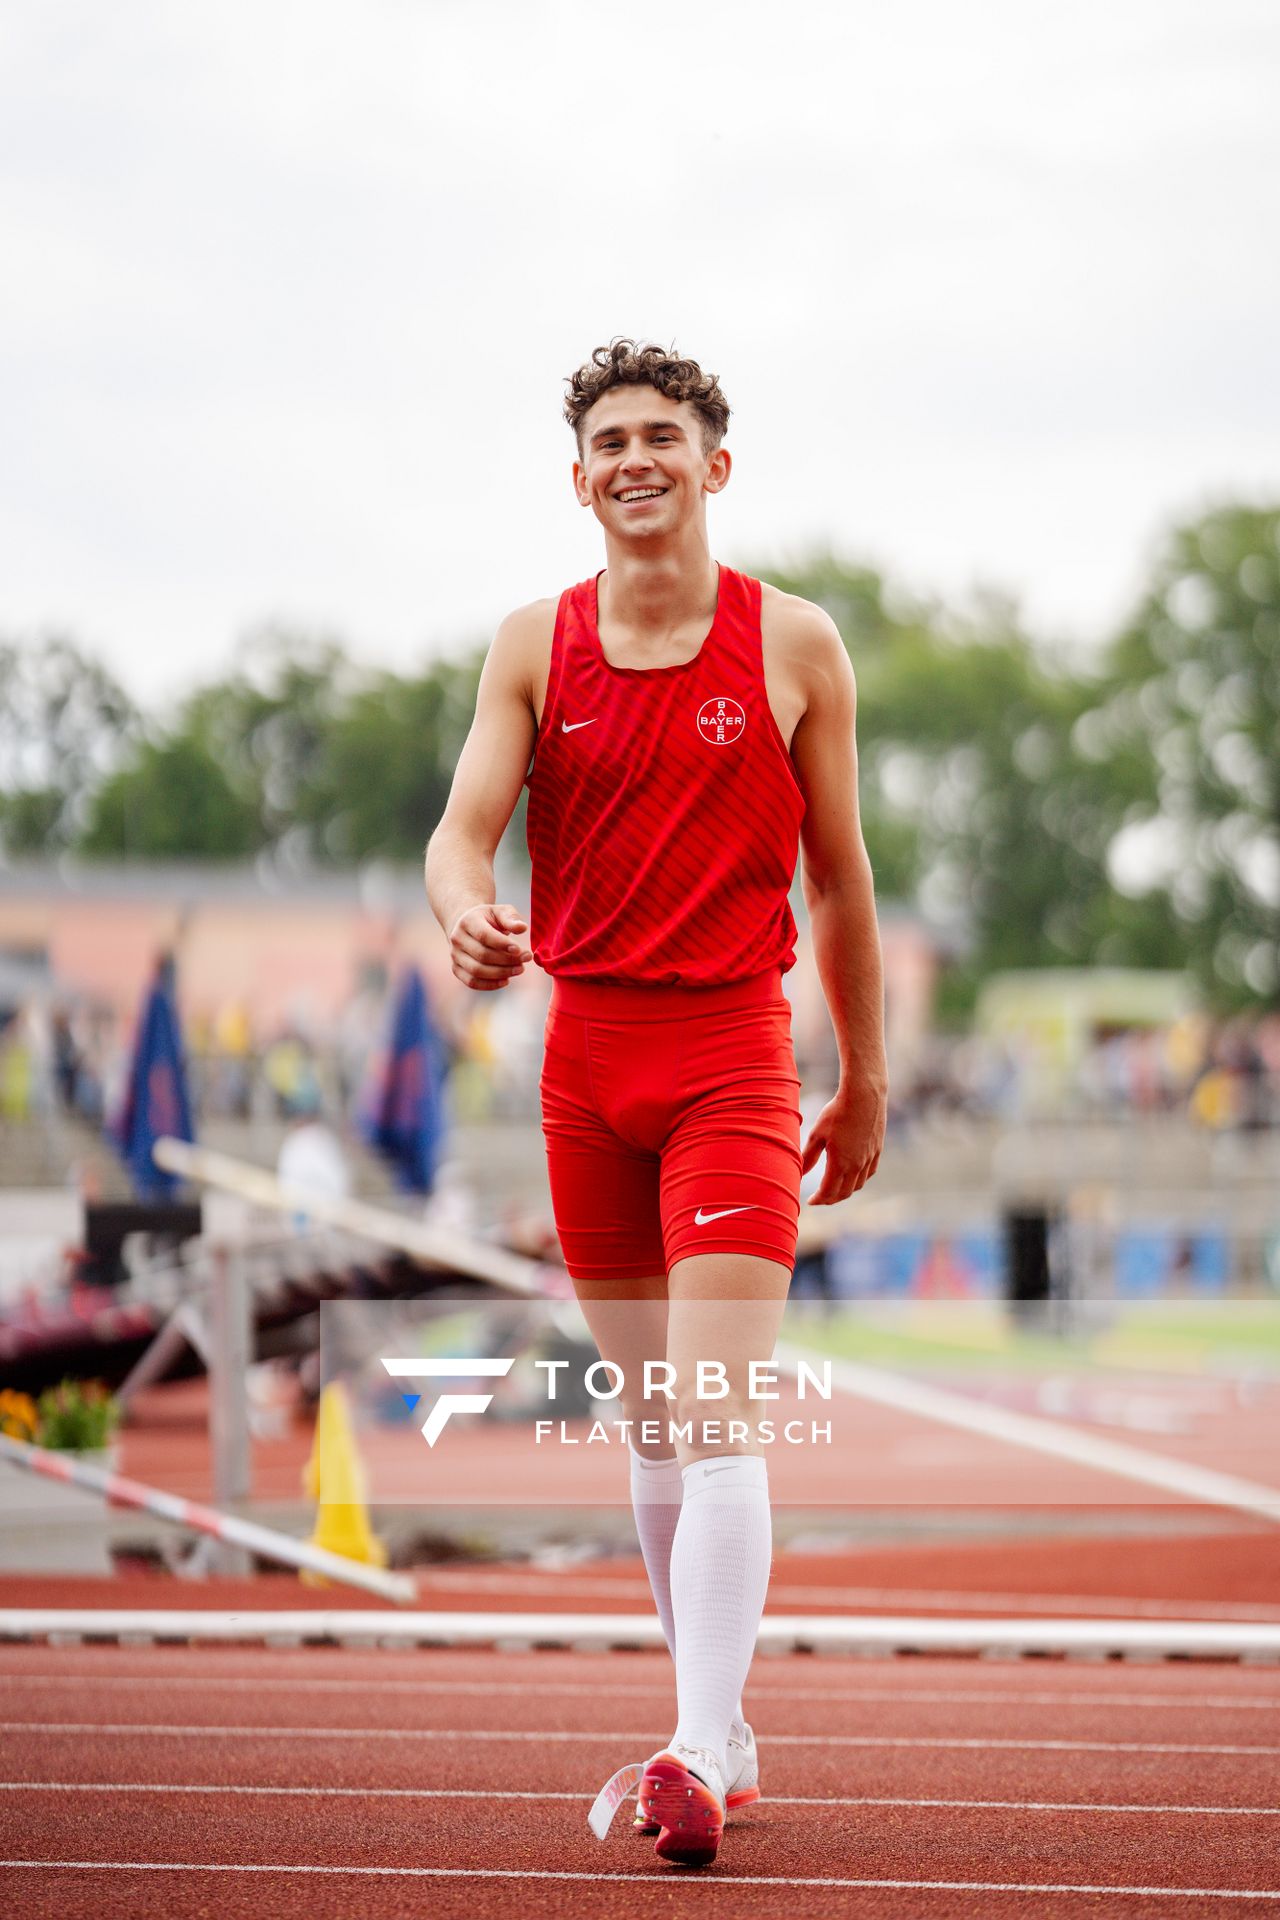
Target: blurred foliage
x=999, y=829
x=1002, y=786
x=1037, y=809
x=383, y=781
x=296, y=747
x=174, y=801
x=1192, y=693
x=269, y=723
x=65, y=722
x=77, y=1416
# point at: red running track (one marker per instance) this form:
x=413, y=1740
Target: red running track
x=882, y=1458
x=441, y=1783
x=1218, y=1569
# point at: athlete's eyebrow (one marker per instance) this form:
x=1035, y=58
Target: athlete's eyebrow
x=649, y=426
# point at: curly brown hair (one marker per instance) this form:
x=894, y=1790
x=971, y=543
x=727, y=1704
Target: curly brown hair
x=625, y=363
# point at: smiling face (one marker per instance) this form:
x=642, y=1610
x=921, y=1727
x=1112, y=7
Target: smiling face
x=644, y=469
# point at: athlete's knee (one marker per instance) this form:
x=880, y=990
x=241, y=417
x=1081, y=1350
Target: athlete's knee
x=649, y=1419
x=649, y=1400
x=708, y=1392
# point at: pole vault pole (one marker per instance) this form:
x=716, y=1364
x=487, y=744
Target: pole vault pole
x=436, y=1246
x=122, y=1492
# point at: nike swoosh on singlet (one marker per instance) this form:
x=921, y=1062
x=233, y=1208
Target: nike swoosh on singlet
x=700, y=1218
x=577, y=724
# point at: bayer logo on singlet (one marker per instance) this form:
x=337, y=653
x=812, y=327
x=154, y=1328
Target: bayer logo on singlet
x=720, y=721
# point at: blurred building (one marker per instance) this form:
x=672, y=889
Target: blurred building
x=280, y=951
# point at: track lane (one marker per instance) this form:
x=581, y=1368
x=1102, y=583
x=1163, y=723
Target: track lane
x=548, y=1673
x=1210, y=1570
x=294, y=1791
x=194, y=1892
x=411, y=1686
x=397, y=1725
x=911, y=1772
x=954, y=1846
x=643, y=1716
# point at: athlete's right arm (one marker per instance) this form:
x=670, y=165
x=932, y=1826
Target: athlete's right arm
x=487, y=941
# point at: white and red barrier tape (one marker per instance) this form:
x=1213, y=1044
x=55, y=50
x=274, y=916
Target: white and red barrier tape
x=123, y=1492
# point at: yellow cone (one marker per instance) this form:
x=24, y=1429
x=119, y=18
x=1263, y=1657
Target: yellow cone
x=334, y=1478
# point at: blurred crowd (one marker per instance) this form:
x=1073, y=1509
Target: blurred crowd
x=1222, y=1075
x=71, y=1058
x=57, y=1058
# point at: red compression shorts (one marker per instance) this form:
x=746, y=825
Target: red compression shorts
x=672, y=1122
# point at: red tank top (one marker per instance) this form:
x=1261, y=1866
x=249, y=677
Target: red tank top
x=664, y=810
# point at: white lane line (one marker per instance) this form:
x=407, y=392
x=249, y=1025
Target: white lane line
x=550, y=1690
x=1039, y=1435
x=658, y=1879
x=493, y=1793
x=650, y=1735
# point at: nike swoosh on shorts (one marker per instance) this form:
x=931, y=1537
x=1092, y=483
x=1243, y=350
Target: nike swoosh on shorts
x=700, y=1219
x=579, y=723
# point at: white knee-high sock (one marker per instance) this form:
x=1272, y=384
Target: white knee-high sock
x=657, y=1491
x=719, y=1577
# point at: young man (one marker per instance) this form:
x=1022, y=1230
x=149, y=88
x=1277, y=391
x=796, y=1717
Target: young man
x=690, y=730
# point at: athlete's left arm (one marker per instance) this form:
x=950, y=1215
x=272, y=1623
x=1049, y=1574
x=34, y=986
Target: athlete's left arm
x=840, y=895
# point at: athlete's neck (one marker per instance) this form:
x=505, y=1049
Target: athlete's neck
x=651, y=597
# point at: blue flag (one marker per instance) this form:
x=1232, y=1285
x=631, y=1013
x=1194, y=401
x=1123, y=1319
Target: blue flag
x=401, y=1114
x=155, y=1101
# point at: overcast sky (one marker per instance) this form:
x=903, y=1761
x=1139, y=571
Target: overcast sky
x=290, y=291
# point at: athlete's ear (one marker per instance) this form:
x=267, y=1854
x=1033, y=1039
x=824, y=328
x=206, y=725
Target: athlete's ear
x=580, y=486
x=718, y=469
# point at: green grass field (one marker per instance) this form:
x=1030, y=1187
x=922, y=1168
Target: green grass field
x=1215, y=1337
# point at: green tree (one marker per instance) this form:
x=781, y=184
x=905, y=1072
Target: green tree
x=1191, y=698
x=974, y=805
x=173, y=802
x=65, y=723
x=269, y=722
x=378, y=785
x=879, y=625
x=297, y=743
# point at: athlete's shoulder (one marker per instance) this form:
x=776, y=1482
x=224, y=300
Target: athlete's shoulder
x=524, y=632
x=515, y=664
x=804, y=636
x=793, y=618
x=531, y=622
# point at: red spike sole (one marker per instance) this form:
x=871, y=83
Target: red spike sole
x=746, y=1798
x=687, y=1811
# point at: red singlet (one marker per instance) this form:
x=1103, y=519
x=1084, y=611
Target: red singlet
x=664, y=811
